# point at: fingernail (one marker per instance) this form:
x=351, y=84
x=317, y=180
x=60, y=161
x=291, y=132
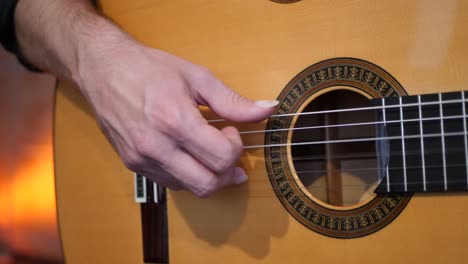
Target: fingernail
x=240, y=176
x=266, y=103
x=241, y=179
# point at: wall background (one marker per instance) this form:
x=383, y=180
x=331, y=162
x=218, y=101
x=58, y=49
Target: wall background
x=28, y=225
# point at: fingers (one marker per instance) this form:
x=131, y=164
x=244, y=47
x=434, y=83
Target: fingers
x=158, y=175
x=200, y=180
x=229, y=104
x=171, y=164
x=187, y=173
x=185, y=127
x=184, y=151
x=217, y=150
x=150, y=114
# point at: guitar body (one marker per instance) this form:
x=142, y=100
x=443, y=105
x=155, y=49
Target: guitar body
x=257, y=48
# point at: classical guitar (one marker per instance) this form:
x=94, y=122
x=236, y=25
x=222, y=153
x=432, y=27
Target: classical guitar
x=364, y=161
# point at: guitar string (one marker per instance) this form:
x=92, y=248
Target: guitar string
x=397, y=184
x=352, y=124
x=368, y=154
x=360, y=124
x=368, y=123
x=357, y=109
x=457, y=165
x=409, y=153
x=351, y=140
x=363, y=155
x=370, y=168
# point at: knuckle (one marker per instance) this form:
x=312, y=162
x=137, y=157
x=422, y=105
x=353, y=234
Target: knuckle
x=207, y=189
x=234, y=97
x=222, y=164
x=202, y=73
x=236, y=148
x=146, y=150
x=229, y=156
x=171, y=124
x=142, y=146
x=180, y=128
x=132, y=161
x=187, y=127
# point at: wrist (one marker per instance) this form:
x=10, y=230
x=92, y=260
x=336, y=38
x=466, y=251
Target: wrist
x=98, y=48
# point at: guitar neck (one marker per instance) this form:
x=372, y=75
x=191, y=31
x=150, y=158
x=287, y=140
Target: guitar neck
x=426, y=143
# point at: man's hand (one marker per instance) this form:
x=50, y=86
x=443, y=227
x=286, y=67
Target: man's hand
x=145, y=100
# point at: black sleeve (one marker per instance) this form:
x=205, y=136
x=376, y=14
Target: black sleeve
x=8, y=33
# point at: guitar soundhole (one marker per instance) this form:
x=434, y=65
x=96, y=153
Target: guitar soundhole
x=321, y=169
x=337, y=170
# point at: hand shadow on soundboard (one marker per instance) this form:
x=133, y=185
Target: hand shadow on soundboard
x=247, y=216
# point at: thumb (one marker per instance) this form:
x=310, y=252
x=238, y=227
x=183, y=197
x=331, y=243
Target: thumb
x=234, y=107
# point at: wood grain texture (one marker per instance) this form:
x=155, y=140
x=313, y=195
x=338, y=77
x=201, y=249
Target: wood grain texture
x=95, y=192
x=257, y=47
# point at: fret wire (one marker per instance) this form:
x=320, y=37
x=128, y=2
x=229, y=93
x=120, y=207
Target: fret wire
x=386, y=169
x=405, y=182
x=443, y=140
x=466, y=139
x=423, y=159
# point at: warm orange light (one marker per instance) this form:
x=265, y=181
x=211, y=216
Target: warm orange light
x=31, y=206
x=33, y=189
x=29, y=196
x=28, y=224
x=5, y=204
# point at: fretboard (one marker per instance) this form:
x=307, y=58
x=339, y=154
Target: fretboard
x=427, y=143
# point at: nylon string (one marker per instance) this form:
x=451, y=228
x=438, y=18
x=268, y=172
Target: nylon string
x=357, y=109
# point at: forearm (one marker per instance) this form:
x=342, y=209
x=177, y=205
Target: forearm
x=59, y=36
x=145, y=100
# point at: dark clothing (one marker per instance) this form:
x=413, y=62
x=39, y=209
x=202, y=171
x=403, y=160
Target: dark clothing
x=7, y=25
x=8, y=33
